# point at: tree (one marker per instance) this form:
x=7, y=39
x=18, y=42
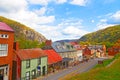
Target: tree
x=117, y=44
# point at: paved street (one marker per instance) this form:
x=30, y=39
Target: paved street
x=76, y=69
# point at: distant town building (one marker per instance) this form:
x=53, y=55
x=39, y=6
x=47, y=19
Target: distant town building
x=66, y=51
x=79, y=51
x=95, y=51
x=113, y=50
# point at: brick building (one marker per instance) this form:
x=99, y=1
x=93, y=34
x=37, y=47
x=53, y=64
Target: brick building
x=6, y=51
x=113, y=50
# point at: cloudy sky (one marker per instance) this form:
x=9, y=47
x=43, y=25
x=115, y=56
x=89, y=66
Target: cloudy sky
x=63, y=19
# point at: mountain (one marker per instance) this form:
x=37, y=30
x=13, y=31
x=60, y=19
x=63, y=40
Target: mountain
x=27, y=37
x=106, y=36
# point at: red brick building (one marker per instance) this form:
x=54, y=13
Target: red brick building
x=113, y=50
x=86, y=51
x=6, y=51
x=48, y=42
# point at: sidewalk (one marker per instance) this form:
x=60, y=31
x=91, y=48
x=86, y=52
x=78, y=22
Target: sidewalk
x=82, y=67
x=47, y=75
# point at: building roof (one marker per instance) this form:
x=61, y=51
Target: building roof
x=5, y=27
x=53, y=57
x=76, y=45
x=62, y=47
x=95, y=47
x=25, y=54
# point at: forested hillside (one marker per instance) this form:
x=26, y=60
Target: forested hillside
x=27, y=37
x=106, y=36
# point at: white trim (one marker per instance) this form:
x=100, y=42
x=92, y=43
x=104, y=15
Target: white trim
x=3, y=51
x=4, y=36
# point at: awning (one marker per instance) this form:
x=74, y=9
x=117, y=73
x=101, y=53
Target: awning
x=66, y=59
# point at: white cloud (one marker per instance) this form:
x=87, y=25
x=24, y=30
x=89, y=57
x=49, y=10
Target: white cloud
x=103, y=20
x=50, y=31
x=113, y=18
x=37, y=19
x=109, y=19
x=12, y=5
x=45, y=19
x=103, y=26
x=60, y=1
x=19, y=11
x=116, y=16
x=40, y=2
x=28, y=18
x=71, y=22
x=64, y=30
x=41, y=11
x=79, y=2
x=71, y=30
x=92, y=21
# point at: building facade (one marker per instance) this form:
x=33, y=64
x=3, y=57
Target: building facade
x=66, y=51
x=113, y=50
x=31, y=64
x=6, y=51
x=95, y=51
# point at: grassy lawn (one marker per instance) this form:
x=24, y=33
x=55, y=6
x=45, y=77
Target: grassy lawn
x=101, y=72
x=105, y=63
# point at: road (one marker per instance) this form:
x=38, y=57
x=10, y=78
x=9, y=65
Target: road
x=82, y=67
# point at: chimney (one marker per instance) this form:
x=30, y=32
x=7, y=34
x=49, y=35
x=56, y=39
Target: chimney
x=16, y=46
x=48, y=42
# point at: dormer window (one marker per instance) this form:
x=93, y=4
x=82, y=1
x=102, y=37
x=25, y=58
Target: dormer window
x=3, y=36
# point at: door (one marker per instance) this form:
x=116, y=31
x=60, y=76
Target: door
x=38, y=71
x=14, y=72
x=44, y=69
x=1, y=74
x=33, y=74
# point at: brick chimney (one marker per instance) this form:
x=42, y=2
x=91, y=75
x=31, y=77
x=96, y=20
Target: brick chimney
x=48, y=42
x=16, y=46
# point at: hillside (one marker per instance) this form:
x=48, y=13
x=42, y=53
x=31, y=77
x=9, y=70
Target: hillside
x=27, y=37
x=108, y=72
x=106, y=36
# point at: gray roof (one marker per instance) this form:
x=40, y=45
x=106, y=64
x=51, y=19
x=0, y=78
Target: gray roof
x=62, y=47
x=95, y=47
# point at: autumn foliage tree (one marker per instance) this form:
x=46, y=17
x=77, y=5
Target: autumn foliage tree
x=117, y=44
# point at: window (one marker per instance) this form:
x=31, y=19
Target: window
x=27, y=63
x=28, y=75
x=68, y=46
x=39, y=61
x=3, y=36
x=72, y=47
x=3, y=49
x=33, y=74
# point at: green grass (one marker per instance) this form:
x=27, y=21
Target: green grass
x=101, y=73
x=105, y=63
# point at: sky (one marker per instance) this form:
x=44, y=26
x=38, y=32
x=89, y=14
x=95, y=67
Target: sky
x=63, y=19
